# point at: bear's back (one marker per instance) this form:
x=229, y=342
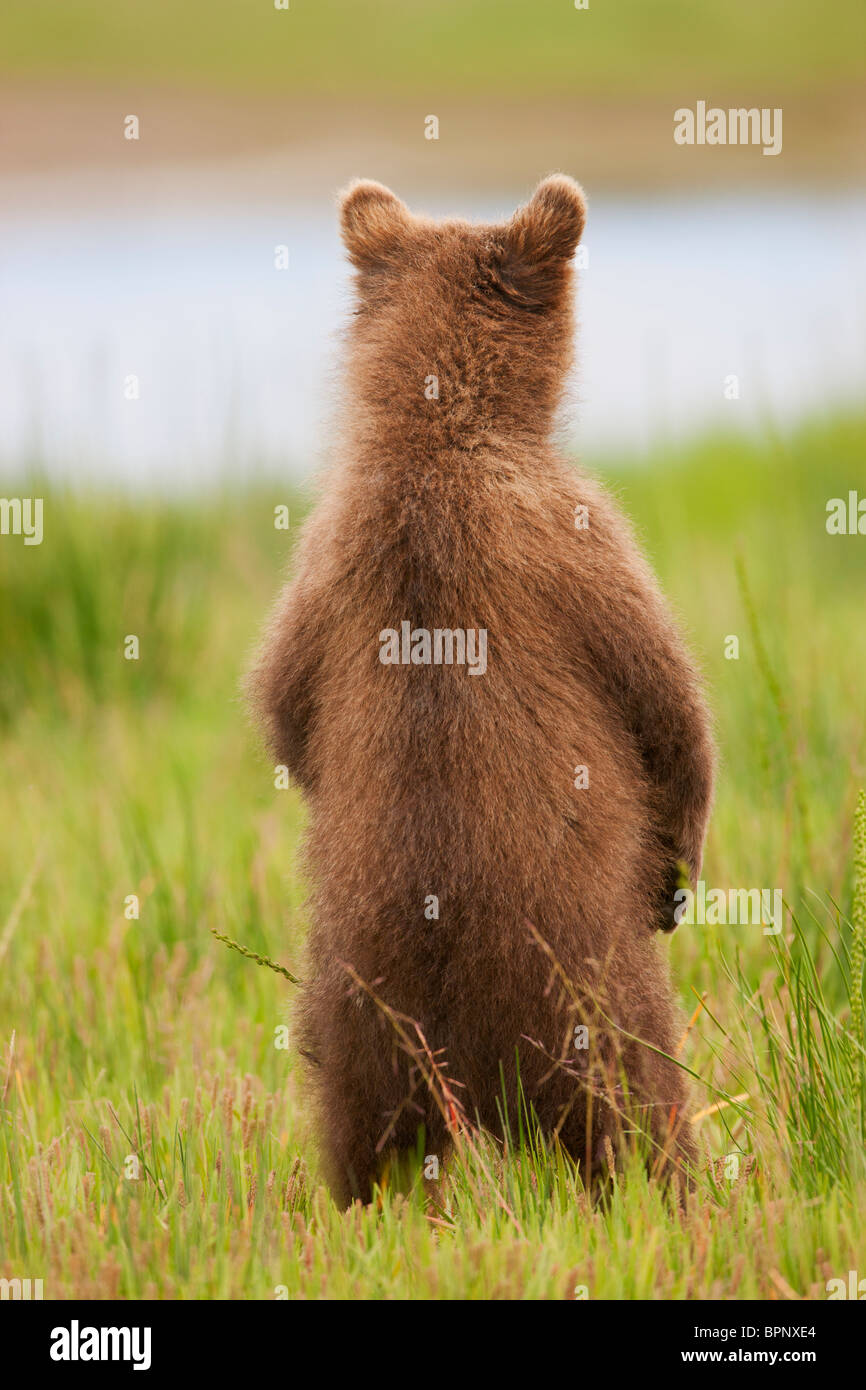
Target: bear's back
x=440, y=779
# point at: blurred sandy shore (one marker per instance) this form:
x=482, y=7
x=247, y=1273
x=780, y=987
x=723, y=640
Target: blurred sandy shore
x=69, y=143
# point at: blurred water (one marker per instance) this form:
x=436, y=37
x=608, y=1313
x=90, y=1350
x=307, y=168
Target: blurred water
x=235, y=358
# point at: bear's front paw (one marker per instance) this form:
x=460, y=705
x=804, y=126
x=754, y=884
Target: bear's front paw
x=673, y=901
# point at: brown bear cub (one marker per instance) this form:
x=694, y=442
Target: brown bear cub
x=502, y=741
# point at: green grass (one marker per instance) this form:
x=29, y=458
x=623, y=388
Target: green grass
x=147, y=1039
x=733, y=48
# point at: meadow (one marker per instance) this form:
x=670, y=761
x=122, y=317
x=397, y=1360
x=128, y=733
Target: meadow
x=154, y=1138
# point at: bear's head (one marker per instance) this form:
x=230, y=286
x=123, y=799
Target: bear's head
x=462, y=332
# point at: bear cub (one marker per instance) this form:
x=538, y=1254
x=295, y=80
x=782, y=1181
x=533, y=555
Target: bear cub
x=493, y=845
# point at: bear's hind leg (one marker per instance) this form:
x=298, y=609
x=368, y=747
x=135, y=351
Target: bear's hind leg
x=372, y=1106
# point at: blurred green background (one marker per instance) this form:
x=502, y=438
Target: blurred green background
x=369, y=48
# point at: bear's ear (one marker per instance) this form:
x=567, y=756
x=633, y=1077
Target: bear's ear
x=539, y=241
x=374, y=224
x=550, y=225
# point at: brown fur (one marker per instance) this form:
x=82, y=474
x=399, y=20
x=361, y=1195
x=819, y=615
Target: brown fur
x=424, y=779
